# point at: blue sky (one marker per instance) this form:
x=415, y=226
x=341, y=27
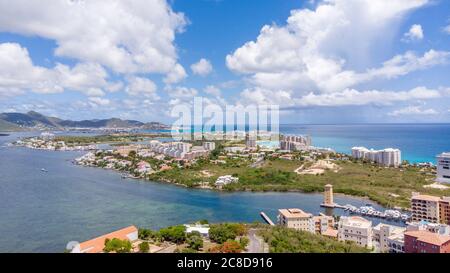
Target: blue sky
x=330, y=61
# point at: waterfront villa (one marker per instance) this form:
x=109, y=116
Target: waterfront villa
x=225, y=180
x=97, y=245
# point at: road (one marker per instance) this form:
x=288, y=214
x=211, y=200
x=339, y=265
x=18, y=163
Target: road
x=256, y=244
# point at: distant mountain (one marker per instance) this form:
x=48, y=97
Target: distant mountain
x=35, y=120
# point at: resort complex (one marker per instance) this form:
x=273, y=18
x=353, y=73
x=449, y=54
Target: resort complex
x=386, y=157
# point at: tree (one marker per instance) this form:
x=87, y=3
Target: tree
x=231, y=246
x=220, y=233
x=243, y=241
x=117, y=245
x=195, y=241
x=175, y=234
x=144, y=247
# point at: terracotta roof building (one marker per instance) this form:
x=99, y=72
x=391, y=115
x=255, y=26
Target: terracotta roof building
x=96, y=245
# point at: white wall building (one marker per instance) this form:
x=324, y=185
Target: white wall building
x=296, y=219
x=387, y=157
x=355, y=229
x=443, y=167
x=225, y=180
x=382, y=233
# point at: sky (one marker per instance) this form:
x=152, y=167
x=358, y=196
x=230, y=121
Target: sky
x=322, y=62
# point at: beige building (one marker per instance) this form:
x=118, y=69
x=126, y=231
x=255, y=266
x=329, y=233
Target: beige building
x=296, y=219
x=425, y=207
x=382, y=233
x=355, y=229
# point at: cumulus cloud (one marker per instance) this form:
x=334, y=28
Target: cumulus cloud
x=317, y=48
x=447, y=29
x=203, y=67
x=125, y=36
x=18, y=74
x=181, y=92
x=415, y=33
x=141, y=87
x=212, y=90
x=346, y=97
x=413, y=110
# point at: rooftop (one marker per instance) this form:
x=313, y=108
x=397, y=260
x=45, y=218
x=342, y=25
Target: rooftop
x=96, y=245
x=294, y=213
x=426, y=198
x=444, y=154
x=429, y=237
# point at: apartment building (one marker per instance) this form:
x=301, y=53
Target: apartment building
x=421, y=241
x=425, y=207
x=382, y=233
x=295, y=143
x=296, y=219
x=444, y=210
x=443, y=167
x=387, y=157
x=396, y=243
x=355, y=229
x=324, y=224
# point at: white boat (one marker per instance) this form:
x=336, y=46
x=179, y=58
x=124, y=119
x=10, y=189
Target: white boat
x=44, y=170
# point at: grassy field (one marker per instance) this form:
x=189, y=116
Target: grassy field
x=387, y=186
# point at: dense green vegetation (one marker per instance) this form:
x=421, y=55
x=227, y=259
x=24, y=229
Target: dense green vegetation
x=221, y=233
x=284, y=240
x=107, y=138
x=387, y=186
x=117, y=246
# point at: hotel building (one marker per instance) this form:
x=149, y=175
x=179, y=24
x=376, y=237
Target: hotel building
x=382, y=233
x=444, y=210
x=425, y=207
x=388, y=157
x=296, y=219
x=355, y=229
x=443, y=168
x=422, y=241
x=295, y=143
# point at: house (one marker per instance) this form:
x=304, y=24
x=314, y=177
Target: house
x=202, y=229
x=97, y=245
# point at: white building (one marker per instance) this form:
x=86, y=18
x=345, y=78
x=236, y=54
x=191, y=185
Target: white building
x=210, y=146
x=396, y=243
x=443, y=168
x=225, y=180
x=202, y=229
x=387, y=157
x=382, y=233
x=355, y=229
x=296, y=219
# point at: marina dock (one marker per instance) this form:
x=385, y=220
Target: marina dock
x=266, y=218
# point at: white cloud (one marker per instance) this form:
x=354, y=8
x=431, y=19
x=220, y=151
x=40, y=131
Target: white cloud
x=212, y=90
x=415, y=33
x=203, y=67
x=447, y=29
x=347, y=97
x=413, y=110
x=18, y=74
x=181, y=92
x=316, y=49
x=142, y=87
x=99, y=101
x=126, y=36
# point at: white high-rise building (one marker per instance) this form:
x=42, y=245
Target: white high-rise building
x=443, y=167
x=387, y=157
